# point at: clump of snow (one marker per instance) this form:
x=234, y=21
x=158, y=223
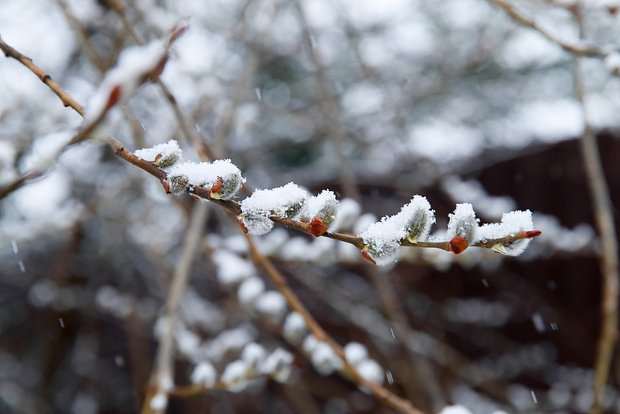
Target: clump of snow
x=412, y=222
x=278, y=365
x=210, y=176
x=294, y=328
x=161, y=155
x=231, y=269
x=204, y=374
x=324, y=206
x=463, y=223
x=250, y=290
x=134, y=65
x=284, y=202
x=325, y=360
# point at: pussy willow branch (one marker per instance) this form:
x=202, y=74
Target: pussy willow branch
x=580, y=48
x=603, y=212
x=380, y=392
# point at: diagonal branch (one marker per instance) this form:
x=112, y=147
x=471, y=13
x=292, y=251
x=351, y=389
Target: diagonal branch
x=580, y=47
x=67, y=100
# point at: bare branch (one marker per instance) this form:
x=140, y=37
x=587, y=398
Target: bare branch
x=67, y=100
x=603, y=212
x=163, y=369
x=580, y=47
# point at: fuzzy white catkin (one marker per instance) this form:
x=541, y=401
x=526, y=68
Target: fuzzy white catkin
x=294, y=328
x=371, y=371
x=310, y=344
x=253, y=354
x=204, y=374
x=355, y=352
x=250, y=290
x=235, y=375
x=278, y=365
x=325, y=360
x=463, y=223
x=159, y=402
x=271, y=305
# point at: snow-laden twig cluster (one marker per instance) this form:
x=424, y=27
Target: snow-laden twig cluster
x=255, y=362
x=135, y=65
x=293, y=206
x=269, y=305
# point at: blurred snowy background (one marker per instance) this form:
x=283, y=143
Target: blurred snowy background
x=375, y=100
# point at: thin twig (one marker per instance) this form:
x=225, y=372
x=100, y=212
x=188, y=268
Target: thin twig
x=92, y=54
x=580, y=48
x=163, y=370
x=603, y=212
x=67, y=100
x=330, y=109
x=204, y=151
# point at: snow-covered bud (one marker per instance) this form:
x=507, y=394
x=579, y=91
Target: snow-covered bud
x=294, y=328
x=256, y=224
x=320, y=210
x=511, y=224
x=175, y=183
x=382, y=239
x=278, y=365
x=463, y=223
x=420, y=217
x=222, y=178
x=162, y=155
x=284, y=202
x=381, y=252
x=229, y=180
x=325, y=360
x=204, y=374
